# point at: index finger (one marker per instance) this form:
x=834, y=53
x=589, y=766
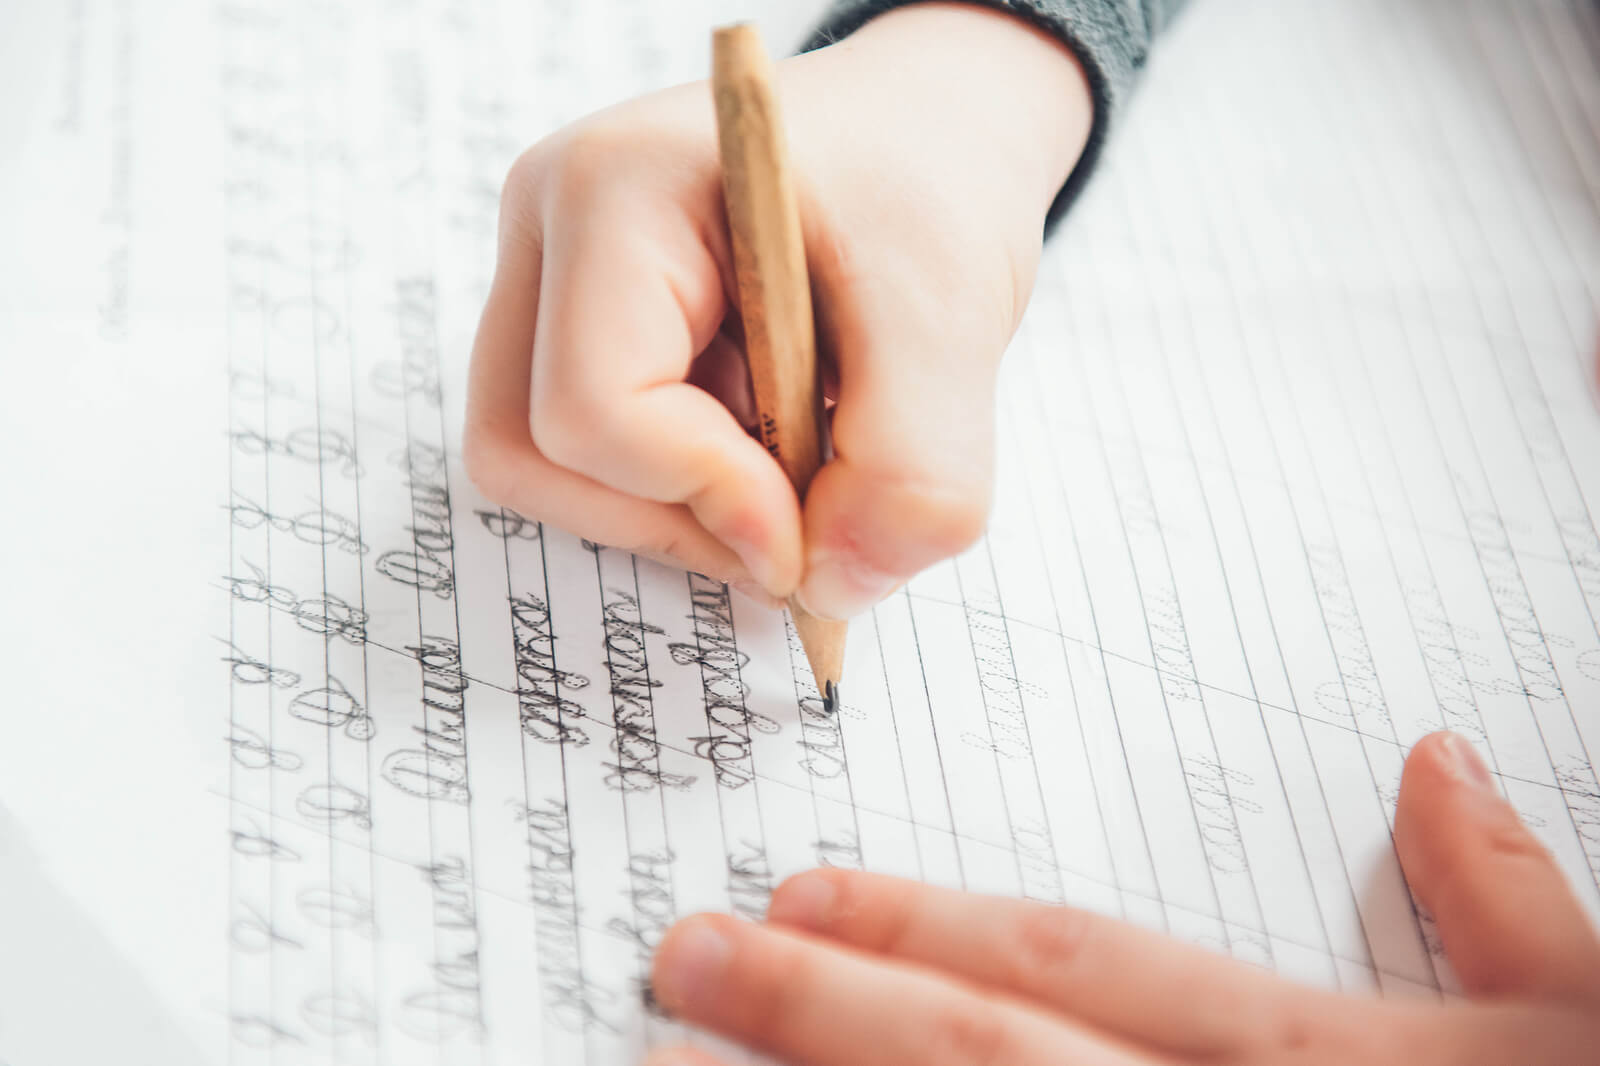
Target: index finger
x=630, y=295
x=809, y=1002
x=498, y=448
x=1111, y=974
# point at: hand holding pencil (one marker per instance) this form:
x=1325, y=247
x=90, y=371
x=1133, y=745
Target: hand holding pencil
x=609, y=394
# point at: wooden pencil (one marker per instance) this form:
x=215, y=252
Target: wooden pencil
x=774, y=291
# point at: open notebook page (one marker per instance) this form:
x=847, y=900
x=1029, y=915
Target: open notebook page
x=312, y=753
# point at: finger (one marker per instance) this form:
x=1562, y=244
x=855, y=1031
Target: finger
x=1478, y=1034
x=1510, y=924
x=913, y=442
x=513, y=473
x=499, y=452
x=630, y=295
x=1112, y=975
x=806, y=1001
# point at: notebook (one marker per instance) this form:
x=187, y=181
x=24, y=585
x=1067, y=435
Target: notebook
x=312, y=754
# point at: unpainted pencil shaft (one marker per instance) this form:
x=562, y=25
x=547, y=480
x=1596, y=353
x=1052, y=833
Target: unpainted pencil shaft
x=774, y=288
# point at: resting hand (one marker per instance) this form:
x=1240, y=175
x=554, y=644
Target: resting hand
x=871, y=971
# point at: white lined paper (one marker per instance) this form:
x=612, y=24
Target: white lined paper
x=1299, y=461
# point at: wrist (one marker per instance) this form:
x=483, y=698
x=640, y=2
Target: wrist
x=1006, y=102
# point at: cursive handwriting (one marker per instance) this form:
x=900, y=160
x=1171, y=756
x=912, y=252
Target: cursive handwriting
x=438, y=769
x=254, y=753
x=749, y=880
x=329, y=802
x=571, y=998
x=544, y=711
x=317, y=526
x=428, y=564
x=453, y=1006
x=333, y=706
x=336, y=908
x=509, y=525
x=248, y=670
x=715, y=651
x=314, y=445
x=638, y=765
x=650, y=894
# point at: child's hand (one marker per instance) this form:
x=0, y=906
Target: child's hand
x=872, y=971
x=608, y=393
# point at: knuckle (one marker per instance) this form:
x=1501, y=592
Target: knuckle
x=587, y=155
x=1293, y=1032
x=971, y=1031
x=523, y=176
x=564, y=428
x=896, y=926
x=1051, y=948
x=519, y=193
x=775, y=994
x=1313, y=1030
x=1509, y=841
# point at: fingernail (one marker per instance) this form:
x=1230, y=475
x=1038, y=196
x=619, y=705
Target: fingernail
x=762, y=568
x=804, y=902
x=840, y=588
x=1467, y=766
x=690, y=963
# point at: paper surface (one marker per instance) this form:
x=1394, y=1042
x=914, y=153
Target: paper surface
x=311, y=753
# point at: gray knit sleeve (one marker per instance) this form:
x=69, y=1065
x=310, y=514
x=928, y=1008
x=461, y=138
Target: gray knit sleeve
x=1112, y=39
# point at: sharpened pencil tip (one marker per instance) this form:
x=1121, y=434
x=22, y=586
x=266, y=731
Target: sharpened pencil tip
x=830, y=697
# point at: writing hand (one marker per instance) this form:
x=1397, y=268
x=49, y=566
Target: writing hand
x=867, y=970
x=608, y=393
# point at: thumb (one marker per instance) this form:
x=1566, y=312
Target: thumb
x=909, y=481
x=1511, y=925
